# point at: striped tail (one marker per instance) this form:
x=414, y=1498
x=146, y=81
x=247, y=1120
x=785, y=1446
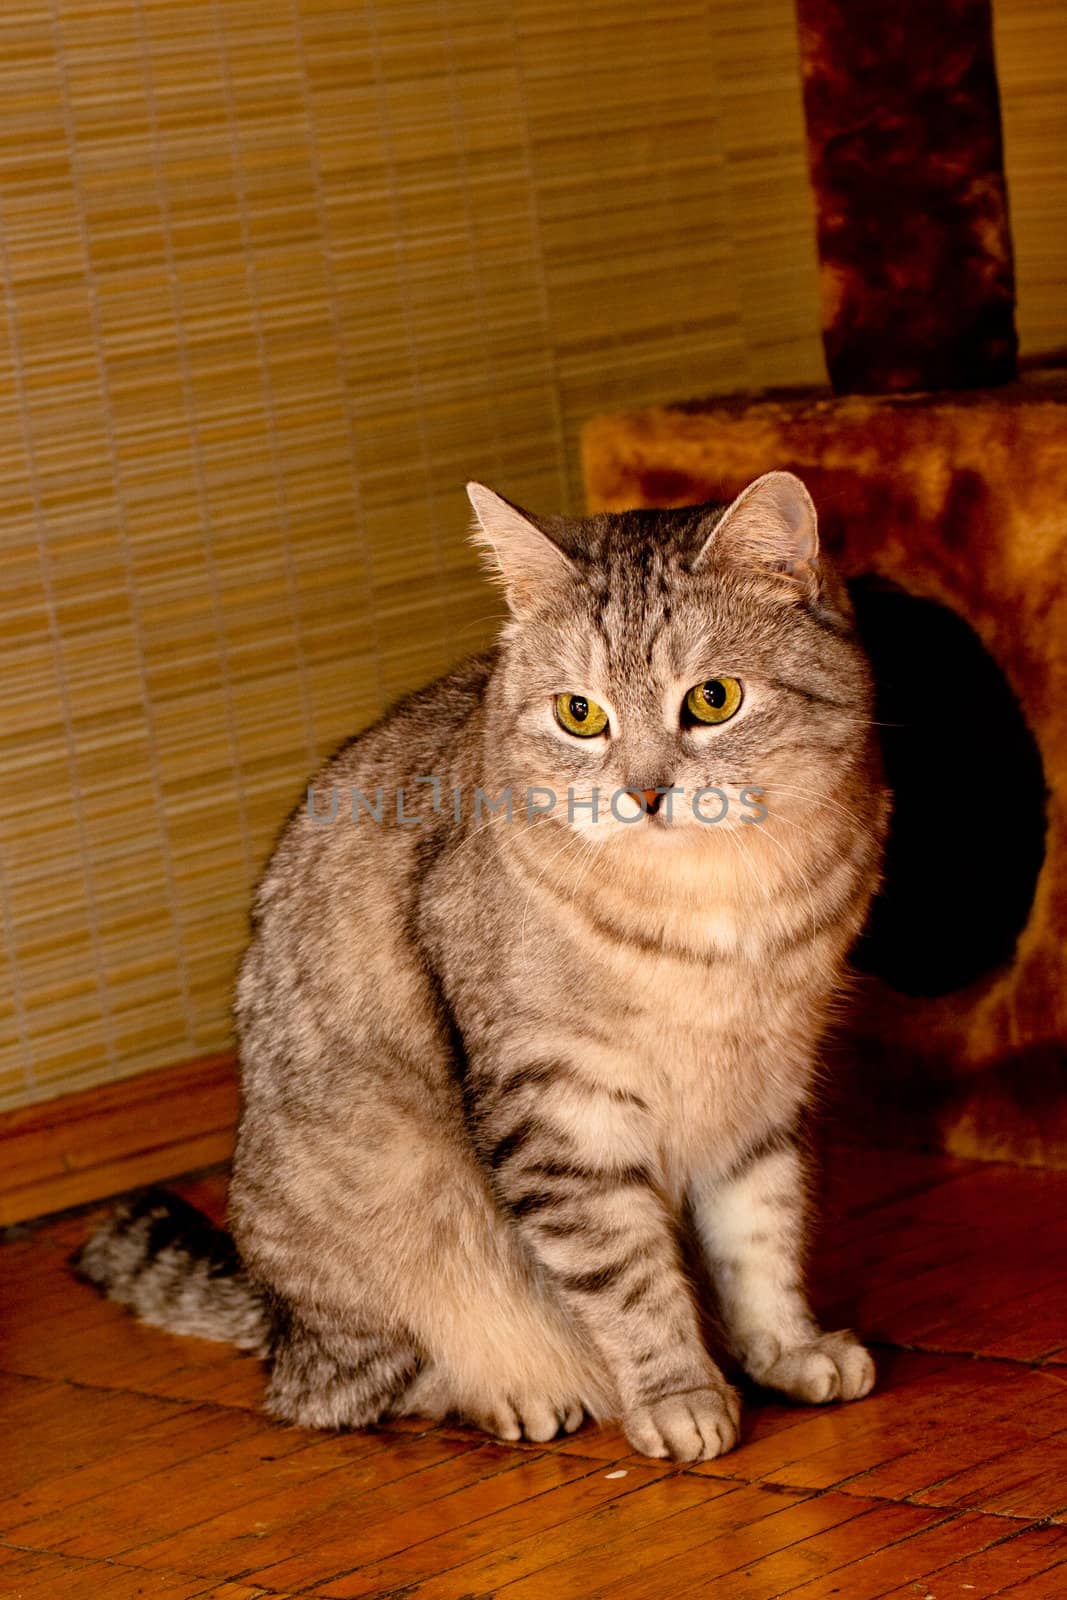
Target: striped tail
x=175, y=1269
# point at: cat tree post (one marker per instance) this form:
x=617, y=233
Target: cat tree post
x=948, y=504
x=907, y=168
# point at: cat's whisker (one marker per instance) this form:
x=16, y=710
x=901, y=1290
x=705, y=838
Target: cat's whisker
x=478, y=625
x=574, y=839
x=768, y=834
x=743, y=857
x=586, y=858
x=475, y=833
x=821, y=800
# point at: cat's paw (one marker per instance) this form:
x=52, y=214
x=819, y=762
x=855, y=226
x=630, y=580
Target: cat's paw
x=696, y=1425
x=833, y=1367
x=529, y=1417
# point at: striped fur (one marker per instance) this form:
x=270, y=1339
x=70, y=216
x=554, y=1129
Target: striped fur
x=490, y=1067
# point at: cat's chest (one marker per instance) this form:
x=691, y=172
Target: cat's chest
x=682, y=935
x=698, y=1125
x=693, y=985
x=710, y=1080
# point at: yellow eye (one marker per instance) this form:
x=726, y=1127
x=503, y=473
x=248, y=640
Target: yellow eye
x=580, y=715
x=715, y=700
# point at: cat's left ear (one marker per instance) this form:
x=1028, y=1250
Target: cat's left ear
x=771, y=524
x=519, y=553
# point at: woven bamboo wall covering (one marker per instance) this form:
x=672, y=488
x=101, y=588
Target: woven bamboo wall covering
x=277, y=277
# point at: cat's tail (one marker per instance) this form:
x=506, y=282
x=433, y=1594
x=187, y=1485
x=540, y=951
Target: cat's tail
x=174, y=1268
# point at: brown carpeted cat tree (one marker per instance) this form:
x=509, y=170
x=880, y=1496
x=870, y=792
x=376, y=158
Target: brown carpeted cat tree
x=942, y=485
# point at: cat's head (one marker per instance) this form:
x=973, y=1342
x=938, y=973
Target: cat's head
x=707, y=649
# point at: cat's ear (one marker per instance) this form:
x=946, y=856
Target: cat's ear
x=771, y=524
x=519, y=553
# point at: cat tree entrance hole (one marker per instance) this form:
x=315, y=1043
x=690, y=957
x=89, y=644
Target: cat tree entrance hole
x=968, y=833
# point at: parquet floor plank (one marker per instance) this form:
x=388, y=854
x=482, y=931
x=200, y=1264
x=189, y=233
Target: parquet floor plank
x=40, y=1575
x=818, y=1524
x=914, y=1560
x=1022, y=1555
x=530, y=1519
x=290, y=1543
x=614, y=1544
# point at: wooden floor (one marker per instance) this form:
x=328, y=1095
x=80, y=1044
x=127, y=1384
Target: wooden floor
x=136, y=1464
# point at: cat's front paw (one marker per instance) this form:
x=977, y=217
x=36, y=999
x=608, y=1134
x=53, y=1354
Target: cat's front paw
x=696, y=1425
x=834, y=1366
x=529, y=1417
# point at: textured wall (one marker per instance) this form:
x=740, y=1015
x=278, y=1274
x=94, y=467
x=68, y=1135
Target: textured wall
x=277, y=278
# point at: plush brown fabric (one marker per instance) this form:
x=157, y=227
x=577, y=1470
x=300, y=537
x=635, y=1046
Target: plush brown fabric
x=960, y=499
x=904, y=143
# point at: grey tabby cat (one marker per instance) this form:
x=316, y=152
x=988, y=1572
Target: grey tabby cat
x=497, y=1069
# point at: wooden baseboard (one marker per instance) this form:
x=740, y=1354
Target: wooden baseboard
x=98, y=1142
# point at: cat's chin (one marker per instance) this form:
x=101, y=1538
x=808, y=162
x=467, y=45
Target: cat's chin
x=654, y=833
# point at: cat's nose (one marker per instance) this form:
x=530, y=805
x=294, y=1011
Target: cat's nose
x=651, y=797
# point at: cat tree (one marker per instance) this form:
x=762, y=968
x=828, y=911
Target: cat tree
x=942, y=486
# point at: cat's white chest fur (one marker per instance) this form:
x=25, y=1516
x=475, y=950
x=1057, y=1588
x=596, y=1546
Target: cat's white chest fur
x=712, y=1084
x=686, y=1082
x=694, y=1050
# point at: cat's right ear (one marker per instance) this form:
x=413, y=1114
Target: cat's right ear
x=518, y=553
